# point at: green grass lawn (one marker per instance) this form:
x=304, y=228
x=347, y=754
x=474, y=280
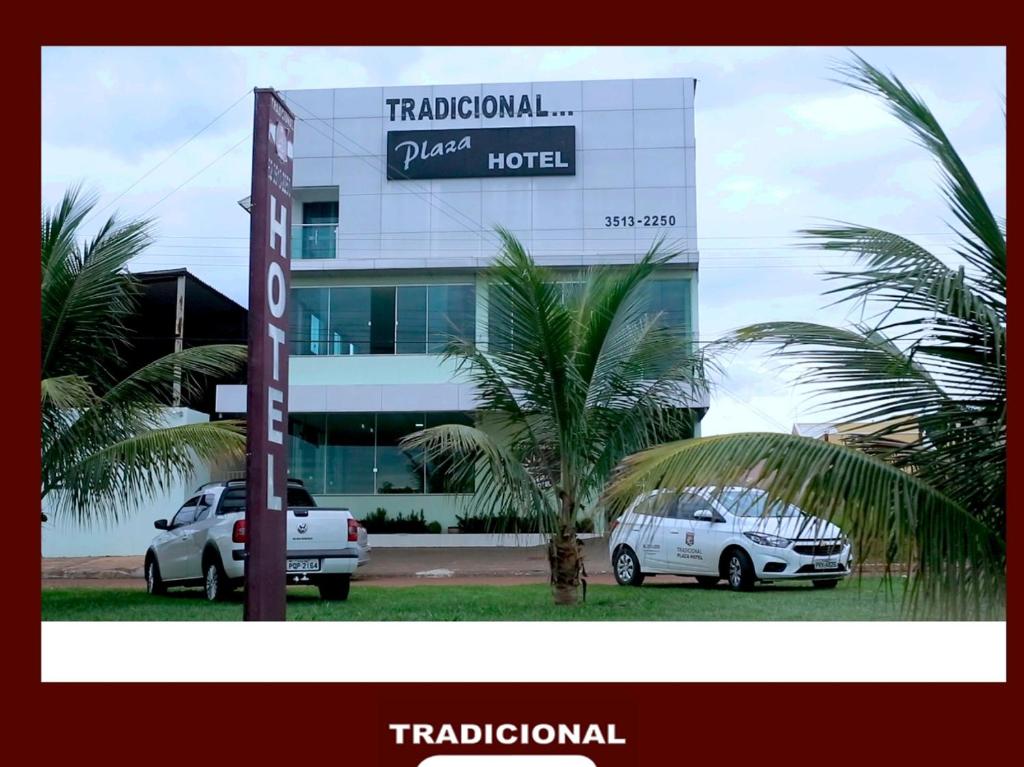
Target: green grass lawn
x=664, y=599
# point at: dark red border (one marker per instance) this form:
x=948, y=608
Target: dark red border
x=669, y=724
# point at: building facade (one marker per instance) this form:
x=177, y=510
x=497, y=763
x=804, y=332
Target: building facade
x=396, y=195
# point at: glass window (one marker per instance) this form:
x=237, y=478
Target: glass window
x=571, y=291
x=658, y=505
x=320, y=212
x=299, y=497
x=232, y=501
x=398, y=470
x=336, y=454
x=501, y=321
x=349, y=325
x=670, y=299
x=442, y=477
x=349, y=453
x=411, y=327
x=186, y=514
x=753, y=503
x=319, y=230
x=382, y=320
x=688, y=504
x=306, y=449
x=203, y=507
x=451, y=313
x=404, y=319
x=307, y=321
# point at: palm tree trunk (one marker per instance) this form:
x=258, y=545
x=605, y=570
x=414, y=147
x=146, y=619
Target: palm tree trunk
x=565, y=557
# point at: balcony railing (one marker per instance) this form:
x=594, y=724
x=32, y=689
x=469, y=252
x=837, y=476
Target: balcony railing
x=315, y=241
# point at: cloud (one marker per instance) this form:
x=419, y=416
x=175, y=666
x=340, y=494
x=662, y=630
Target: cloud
x=780, y=146
x=850, y=113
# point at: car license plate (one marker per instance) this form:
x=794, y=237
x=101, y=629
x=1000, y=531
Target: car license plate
x=825, y=564
x=303, y=565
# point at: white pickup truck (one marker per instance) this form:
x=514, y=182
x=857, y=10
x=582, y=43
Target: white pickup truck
x=204, y=543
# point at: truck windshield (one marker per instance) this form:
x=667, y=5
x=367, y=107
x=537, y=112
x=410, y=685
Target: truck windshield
x=752, y=503
x=234, y=499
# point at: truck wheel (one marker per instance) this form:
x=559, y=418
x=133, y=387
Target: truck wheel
x=335, y=588
x=154, y=583
x=215, y=582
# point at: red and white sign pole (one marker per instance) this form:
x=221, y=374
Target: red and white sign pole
x=267, y=392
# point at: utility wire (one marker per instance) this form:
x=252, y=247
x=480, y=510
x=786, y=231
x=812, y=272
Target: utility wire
x=188, y=141
x=429, y=196
x=217, y=159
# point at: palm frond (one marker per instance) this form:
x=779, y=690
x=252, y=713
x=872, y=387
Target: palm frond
x=189, y=366
x=503, y=484
x=68, y=392
x=985, y=247
x=107, y=484
x=86, y=293
x=902, y=274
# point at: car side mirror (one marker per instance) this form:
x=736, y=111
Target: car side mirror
x=160, y=524
x=704, y=514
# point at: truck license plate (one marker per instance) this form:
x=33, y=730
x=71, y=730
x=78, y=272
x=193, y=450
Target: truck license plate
x=303, y=565
x=825, y=564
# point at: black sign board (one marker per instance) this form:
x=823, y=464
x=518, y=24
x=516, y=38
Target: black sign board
x=482, y=152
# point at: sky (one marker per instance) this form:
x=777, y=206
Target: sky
x=781, y=146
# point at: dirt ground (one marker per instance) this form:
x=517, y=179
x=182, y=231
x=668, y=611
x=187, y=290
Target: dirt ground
x=499, y=566
x=387, y=567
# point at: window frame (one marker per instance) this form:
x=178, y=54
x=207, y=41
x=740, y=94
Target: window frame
x=203, y=506
x=192, y=503
x=327, y=343
x=320, y=468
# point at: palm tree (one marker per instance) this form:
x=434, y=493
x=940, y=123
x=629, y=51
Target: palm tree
x=575, y=376
x=104, y=437
x=931, y=361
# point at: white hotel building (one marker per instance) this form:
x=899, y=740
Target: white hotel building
x=393, y=217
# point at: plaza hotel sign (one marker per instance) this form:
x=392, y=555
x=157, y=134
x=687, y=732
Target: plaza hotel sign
x=477, y=152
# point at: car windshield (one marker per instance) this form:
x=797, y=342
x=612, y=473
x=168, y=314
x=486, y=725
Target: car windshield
x=752, y=503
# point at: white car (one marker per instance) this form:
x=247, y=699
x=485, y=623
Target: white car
x=729, y=534
x=204, y=544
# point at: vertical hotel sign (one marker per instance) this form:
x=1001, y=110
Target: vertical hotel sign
x=267, y=390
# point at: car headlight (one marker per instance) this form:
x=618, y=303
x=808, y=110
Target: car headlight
x=768, y=540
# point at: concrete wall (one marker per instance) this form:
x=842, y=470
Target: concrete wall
x=635, y=157
x=132, y=535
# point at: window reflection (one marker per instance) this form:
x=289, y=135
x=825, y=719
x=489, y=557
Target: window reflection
x=338, y=453
x=404, y=319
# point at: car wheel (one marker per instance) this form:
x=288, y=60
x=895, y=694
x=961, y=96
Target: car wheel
x=739, y=570
x=708, y=581
x=335, y=588
x=829, y=584
x=215, y=582
x=154, y=583
x=627, y=568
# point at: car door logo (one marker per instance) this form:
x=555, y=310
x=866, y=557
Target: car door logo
x=689, y=538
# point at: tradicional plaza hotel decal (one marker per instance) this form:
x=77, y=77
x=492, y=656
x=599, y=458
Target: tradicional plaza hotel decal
x=478, y=152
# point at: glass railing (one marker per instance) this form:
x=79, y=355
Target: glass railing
x=315, y=241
